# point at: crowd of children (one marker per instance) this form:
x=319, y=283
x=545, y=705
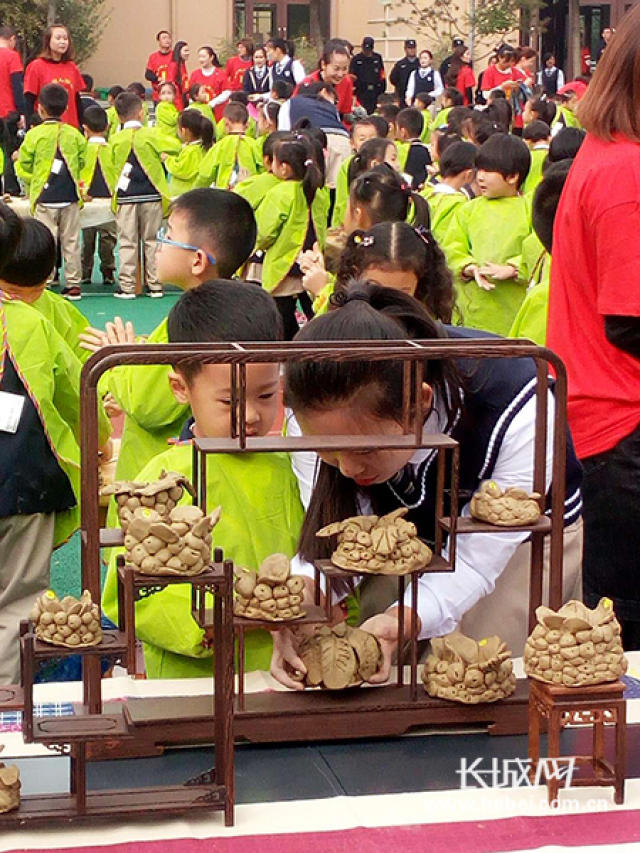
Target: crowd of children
x=449, y=205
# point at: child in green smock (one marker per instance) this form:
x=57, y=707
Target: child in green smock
x=537, y=136
x=362, y=130
x=199, y=100
x=234, y=157
x=166, y=111
x=457, y=169
x=422, y=101
x=196, y=133
x=255, y=187
x=261, y=508
x=483, y=243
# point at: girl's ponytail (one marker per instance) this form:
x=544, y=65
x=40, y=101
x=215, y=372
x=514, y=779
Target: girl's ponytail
x=207, y=134
x=298, y=152
x=420, y=217
x=200, y=127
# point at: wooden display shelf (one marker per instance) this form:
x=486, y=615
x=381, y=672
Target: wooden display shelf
x=437, y=564
x=11, y=697
x=313, y=614
x=80, y=728
x=471, y=525
x=302, y=443
x=113, y=643
x=167, y=801
x=111, y=537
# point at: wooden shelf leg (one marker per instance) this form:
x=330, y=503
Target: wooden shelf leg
x=620, y=754
x=598, y=748
x=534, y=740
x=79, y=776
x=553, y=751
x=130, y=622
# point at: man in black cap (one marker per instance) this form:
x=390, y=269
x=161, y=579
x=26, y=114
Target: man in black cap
x=403, y=69
x=367, y=69
x=446, y=62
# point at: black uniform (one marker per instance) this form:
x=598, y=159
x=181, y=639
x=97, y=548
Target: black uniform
x=549, y=80
x=369, y=79
x=400, y=74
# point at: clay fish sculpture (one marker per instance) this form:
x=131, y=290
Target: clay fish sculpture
x=510, y=507
x=463, y=670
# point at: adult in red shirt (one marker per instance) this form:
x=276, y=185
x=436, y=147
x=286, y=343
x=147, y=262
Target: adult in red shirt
x=11, y=103
x=237, y=65
x=594, y=323
x=213, y=79
x=524, y=71
x=334, y=68
x=460, y=75
x=55, y=65
x=178, y=74
x=158, y=62
x=501, y=75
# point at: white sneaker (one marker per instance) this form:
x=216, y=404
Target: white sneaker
x=123, y=294
x=155, y=294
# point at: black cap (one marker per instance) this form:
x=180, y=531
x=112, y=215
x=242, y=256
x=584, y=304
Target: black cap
x=367, y=42
x=410, y=43
x=457, y=42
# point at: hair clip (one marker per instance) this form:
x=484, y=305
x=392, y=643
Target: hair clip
x=369, y=240
x=425, y=234
x=308, y=162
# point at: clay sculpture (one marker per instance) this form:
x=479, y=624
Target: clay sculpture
x=510, y=507
x=271, y=594
x=161, y=496
x=463, y=670
x=70, y=622
x=9, y=787
x=179, y=544
x=338, y=657
x=386, y=545
x=575, y=646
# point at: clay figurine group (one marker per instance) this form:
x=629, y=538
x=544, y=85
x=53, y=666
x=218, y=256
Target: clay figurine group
x=510, y=507
x=464, y=670
x=71, y=622
x=338, y=657
x=9, y=787
x=272, y=594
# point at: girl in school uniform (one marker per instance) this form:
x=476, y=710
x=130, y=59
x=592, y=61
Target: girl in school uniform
x=488, y=406
x=196, y=133
x=257, y=79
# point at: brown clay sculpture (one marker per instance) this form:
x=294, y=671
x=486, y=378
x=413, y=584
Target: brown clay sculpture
x=71, y=622
x=271, y=594
x=338, y=657
x=161, y=496
x=575, y=646
x=463, y=670
x=9, y=787
x=179, y=544
x=510, y=507
x=386, y=545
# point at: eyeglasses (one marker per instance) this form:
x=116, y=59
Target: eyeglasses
x=161, y=237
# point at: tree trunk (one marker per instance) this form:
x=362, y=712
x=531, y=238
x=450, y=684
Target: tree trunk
x=52, y=12
x=573, y=28
x=315, y=24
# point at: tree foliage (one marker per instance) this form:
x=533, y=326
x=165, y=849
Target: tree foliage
x=86, y=20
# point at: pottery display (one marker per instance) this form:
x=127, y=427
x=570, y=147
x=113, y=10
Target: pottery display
x=161, y=496
x=271, y=593
x=9, y=786
x=511, y=507
x=338, y=657
x=385, y=545
x=71, y=622
x=178, y=544
x=463, y=670
x=575, y=646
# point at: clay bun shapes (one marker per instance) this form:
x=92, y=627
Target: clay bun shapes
x=510, y=507
x=273, y=593
x=576, y=646
x=386, y=545
x=161, y=496
x=70, y=622
x=177, y=545
x=339, y=657
x=9, y=787
x=463, y=670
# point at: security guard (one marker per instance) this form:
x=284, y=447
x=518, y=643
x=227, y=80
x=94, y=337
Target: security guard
x=403, y=69
x=367, y=69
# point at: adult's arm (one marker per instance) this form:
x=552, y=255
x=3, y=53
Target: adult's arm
x=438, y=86
x=150, y=75
x=411, y=87
x=17, y=87
x=29, y=107
x=297, y=69
x=393, y=75
x=623, y=333
x=80, y=108
x=284, y=116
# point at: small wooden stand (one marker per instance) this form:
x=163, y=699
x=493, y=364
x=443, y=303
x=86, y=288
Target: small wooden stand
x=595, y=706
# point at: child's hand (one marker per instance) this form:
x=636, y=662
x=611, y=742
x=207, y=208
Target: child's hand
x=111, y=406
x=15, y=155
x=119, y=332
x=314, y=273
x=285, y=653
x=92, y=339
x=164, y=156
x=501, y=272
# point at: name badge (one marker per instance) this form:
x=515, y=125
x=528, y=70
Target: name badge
x=56, y=167
x=11, y=406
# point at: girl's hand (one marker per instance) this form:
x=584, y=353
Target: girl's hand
x=384, y=627
x=501, y=272
x=111, y=406
x=92, y=339
x=164, y=156
x=285, y=651
x=314, y=273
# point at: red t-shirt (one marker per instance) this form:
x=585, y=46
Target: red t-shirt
x=234, y=70
x=214, y=85
x=596, y=259
x=344, y=91
x=10, y=63
x=42, y=71
x=158, y=63
x=179, y=76
x=465, y=80
x=493, y=78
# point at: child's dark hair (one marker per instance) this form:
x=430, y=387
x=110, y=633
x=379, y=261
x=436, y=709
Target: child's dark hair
x=480, y=128
x=505, y=154
x=545, y=201
x=271, y=111
x=497, y=94
x=239, y=98
x=87, y=79
x=271, y=141
x=34, y=255
x=386, y=196
x=10, y=230
x=138, y=89
x=317, y=139
x=536, y=131
x=457, y=158
x=95, y=119
x=367, y=121
x=162, y=86
x=457, y=118
x=371, y=153
x=127, y=105
x=442, y=139
x=282, y=90
x=367, y=312
x=236, y=113
x=389, y=112
x=454, y=96
x=501, y=113
x=114, y=91
x=315, y=88
x=222, y=223
x=381, y=125
x=54, y=99
x=221, y=310
x=424, y=98
x=545, y=110
x=200, y=127
x=194, y=90
x=386, y=98
x=298, y=153
x=566, y=144
x=398, y=246
x=410, y=119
